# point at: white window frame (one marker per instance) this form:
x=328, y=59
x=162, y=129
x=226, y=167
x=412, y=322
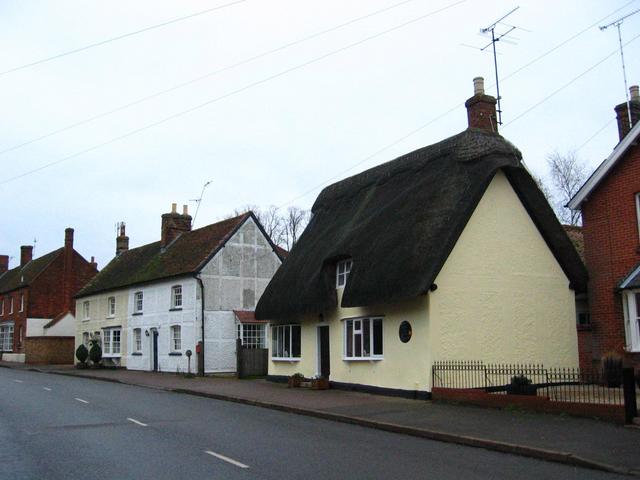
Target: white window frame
x=638, y=213
x=176, y=340
x=632, y=320
x=6, y=338
x=10, y=305
x=176, y=296
x=2, y=306
x=278, y=339
x=21, y=302
x=111, y=307
x=358, y=338
x=86, y=310
x=109, y=343
x=343, y=268
x=253, y=335
x=137, y=340
x=138, y=302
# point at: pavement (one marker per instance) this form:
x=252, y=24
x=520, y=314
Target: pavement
x=574, y=441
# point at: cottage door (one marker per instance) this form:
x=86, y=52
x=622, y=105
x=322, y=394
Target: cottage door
x=323, y=349
x=155, y=350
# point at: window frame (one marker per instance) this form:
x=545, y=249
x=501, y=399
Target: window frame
x=176, y=294
x=279, y=335
x=361, y=332
x=637, y=198
x=254, y=336
x=111, y=306
x=137, y=340
x=138, y=297
x=172, y=338
x=342, y=276
x=108, y=342
x=632, y=320
x=21, y=302
x=86, y=310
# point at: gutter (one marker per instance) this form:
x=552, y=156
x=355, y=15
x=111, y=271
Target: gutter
x=197, y=277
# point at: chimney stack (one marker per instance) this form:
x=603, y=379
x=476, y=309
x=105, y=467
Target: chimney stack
x=93, y=262
x=622, y=112
x=481, y=108
x=173, y=224
x=122, y=241
x=26, y=254
x=68, y=238
x=4, y=263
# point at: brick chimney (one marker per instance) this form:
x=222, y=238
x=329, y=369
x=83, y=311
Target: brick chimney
x=481, y=108
x=68, y=273
x=4, y=263
x=93, y=263
x=622, y=112
x=26, y=254
x=122, y=241
x=173, y=224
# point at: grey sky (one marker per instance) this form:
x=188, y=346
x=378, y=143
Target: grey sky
x=272, y=142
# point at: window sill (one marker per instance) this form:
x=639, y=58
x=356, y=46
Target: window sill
x=137, y=313
x=362, y=359
x=108, y=317
x=175, y=309
x=584, y=327
x=175, y=354
x=86, y=319
x=280, y=359
x=111, y=355
x=136, y=354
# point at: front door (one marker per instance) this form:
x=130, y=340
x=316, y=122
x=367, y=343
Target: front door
x=323, y=351
x=155, y=350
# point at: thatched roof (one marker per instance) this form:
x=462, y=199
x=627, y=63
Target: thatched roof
x=399, y=222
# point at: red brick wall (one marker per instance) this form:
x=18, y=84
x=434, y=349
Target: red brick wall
x=49, y=350
x=612, y=249
x=19, y=318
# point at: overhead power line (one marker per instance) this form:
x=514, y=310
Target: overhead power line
x=119, y=37
x=231, y=93
x=199, y=78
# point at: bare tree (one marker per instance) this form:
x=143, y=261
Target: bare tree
x=568, y=174
x=294, y=221
x=272, y=222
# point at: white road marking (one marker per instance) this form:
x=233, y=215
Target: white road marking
x=81, y=400
x=19, y=381
x=137, y=422
x=46, y=388
x=226, y=459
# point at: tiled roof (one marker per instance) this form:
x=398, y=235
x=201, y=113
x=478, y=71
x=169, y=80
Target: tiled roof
x=185, y=255
x=22, y=276
x=247, y=316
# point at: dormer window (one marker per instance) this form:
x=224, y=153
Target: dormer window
x=176, y=296
x=343, y=268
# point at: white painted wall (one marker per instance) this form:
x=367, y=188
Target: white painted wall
x=65, y=327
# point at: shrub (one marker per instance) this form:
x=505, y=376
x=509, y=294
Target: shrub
x=95, y=353
x=521, y=385
x=612, y=370
x=82, y=354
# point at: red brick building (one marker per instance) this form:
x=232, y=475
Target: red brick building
x=36, y=303
x=610, y=205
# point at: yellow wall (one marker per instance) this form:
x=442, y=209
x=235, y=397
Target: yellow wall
x=501, y=297
x=98, y=318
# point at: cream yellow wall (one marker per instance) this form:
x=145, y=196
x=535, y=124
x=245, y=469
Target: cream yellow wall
x=502, y=296
x=98, y=317
x=404, y=365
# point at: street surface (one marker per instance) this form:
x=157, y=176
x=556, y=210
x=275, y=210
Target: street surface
x=56, y=427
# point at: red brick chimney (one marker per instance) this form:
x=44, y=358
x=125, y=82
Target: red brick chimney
x=173, y=224
x=481, y=108
x=4, y=263
x=26, y=254
x=93, y=263
x=68, y=274
x=622, y=112
x=122, y=241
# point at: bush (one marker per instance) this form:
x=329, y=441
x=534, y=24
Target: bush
x=521, y=385
x=95, y=353
x=612, y=370
x=82, y=354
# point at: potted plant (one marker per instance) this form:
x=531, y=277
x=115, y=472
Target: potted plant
x=82, y=354
x=295, y=380
x=521, y=385
x=319, y=383
x=95, y=353
x=612, y=370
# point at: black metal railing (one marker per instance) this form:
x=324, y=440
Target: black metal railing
x=595, y=386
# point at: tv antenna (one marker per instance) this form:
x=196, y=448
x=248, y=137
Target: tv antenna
x=35, y=240
x=495, y=38
x=199, y=200
x=618, y=23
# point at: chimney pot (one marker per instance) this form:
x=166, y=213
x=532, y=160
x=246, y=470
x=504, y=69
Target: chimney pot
x=634, y=93
x=623, y=113
x=122, y=241
x=185, y=210
x=174, y=207
x=478, y=86
x=26, y=254
x=93, y=262
x=173, y=225
x=4, y=263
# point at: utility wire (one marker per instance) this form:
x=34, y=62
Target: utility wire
x=609, y=122
x=120, y=37
x=231, y=93
x=200, y=78
x=430, y=122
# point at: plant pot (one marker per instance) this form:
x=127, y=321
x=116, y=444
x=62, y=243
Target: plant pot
x=320, y=383
x=522, y=390
x=294, y=382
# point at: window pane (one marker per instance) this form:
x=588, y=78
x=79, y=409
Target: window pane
x=287, y=341
x=274, y=342
x=366, y=338
x=349, y=338
x=295, y=341
x=638, y=305
x=357, y=341
x=280, y=341
x=377, y=336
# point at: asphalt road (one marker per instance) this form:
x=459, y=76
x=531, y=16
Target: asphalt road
x=55, y=427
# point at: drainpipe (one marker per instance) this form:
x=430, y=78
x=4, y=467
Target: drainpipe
x=202, y=317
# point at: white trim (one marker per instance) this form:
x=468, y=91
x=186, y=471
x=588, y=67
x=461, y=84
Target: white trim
x=372, y=355
x=282, y=359
x=625, y=282
x=631, y=321
x=603, y=168
x=638, y=212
